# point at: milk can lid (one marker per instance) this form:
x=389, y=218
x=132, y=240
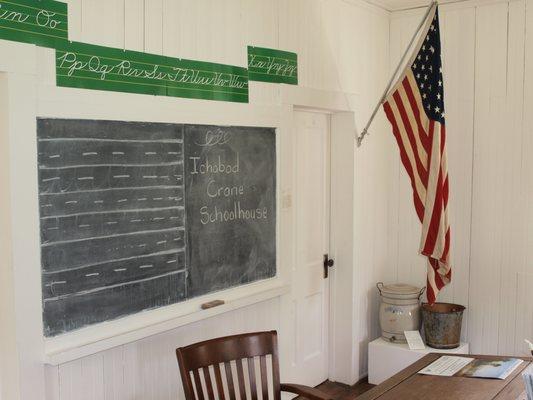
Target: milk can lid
x=398, y=289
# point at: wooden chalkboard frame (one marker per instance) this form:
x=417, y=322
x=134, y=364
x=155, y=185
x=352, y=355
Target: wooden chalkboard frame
x=91, y=339
x=98, y=337
x=122, y=226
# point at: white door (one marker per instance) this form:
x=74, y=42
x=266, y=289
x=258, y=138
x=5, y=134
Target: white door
x=311, y=301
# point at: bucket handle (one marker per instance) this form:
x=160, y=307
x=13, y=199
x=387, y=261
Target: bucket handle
x=379, y=285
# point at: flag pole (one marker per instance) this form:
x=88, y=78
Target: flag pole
x=391, y=81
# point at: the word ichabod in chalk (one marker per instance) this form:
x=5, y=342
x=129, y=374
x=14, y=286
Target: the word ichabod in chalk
x=207, y=167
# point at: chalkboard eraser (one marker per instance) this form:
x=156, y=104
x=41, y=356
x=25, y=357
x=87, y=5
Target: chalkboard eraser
x=211, y=304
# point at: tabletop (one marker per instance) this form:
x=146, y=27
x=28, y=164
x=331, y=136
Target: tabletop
x=408, y=385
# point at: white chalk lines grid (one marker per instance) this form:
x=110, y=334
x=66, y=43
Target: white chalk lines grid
x=112, y=215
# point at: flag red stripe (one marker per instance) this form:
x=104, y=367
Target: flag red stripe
x=419, y=207
x=408, y=129
x=438, y=280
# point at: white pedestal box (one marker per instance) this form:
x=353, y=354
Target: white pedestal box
x=386, y=359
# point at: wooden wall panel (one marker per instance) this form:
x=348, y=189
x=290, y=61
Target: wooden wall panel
x=147, y=369
x=134, y=25
x=342, y=46
x=458, y=37
x=153, y=26
x=516, y=201
x=489, y=183
x=373, y=178
x=487, y=61
x=109, y=31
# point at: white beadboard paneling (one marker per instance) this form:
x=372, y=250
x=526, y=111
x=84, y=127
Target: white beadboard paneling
x=488, y=73
x=148, y=369
x=294, y=21
x=458, y=41
x=260, y=22
x=172, y=29
x=372, y=175
x=102, y=22
x=489, y=184
x=515, y=203
x=153, y=26
x=524, y=314
x=134, y=25
x=527, y=148
x=51, y=377
x=74, y=19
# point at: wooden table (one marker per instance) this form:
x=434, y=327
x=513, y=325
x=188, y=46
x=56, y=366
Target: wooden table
x=408, y=385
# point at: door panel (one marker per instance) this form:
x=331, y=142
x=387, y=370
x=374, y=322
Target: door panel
x=312, y=241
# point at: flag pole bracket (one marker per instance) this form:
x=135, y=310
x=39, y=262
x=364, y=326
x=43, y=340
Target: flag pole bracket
x=360, y=137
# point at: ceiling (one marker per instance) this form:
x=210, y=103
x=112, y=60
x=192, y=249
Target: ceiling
x=396, y=5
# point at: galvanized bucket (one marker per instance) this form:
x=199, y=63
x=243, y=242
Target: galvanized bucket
x=442, y=324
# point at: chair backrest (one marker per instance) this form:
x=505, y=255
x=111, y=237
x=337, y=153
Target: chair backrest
x=222, y=358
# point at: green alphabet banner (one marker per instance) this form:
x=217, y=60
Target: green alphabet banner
x=87, y=66
x=80, y=65
x=269, y=65
x=41, y=22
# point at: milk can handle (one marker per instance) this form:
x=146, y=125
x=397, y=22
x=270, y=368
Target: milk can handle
x=379, y=285
x=421, y=292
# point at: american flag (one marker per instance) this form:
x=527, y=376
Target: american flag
x=415, y=108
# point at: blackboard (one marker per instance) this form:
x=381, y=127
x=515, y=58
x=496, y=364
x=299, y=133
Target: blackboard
x=135, y=216
x=231, y=209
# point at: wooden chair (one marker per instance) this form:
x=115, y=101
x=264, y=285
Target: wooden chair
x=196, y=359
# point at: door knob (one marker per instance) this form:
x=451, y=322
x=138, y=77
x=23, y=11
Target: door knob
x=328, y=263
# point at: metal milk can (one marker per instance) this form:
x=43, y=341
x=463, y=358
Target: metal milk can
x=399, y=310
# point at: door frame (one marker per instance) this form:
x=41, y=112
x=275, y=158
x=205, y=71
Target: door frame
x=344, y=353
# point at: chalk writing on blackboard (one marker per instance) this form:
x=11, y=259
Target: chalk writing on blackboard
x=230, y=179
x=136, y=216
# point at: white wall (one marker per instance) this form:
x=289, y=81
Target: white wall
x=488, y=74
x=343, y=53
x=343, y=49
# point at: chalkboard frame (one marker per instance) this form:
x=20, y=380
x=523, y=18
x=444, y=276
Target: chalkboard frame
x=187, y=141
x=103, y=335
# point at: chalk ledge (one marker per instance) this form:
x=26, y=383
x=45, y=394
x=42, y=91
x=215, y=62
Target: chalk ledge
x=91, y=340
